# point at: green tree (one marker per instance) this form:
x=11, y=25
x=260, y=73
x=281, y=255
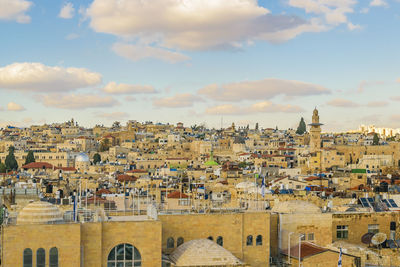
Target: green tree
x=3, y=167
x=11, y=162
x=375, y=141
x=30, y=157
x=96, y=158
x=105, y=145
x=301, y=129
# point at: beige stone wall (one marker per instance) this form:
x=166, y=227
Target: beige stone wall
x=318, y=224
x=234, y=228
x=96, y=239
x=66, y=237
x=358, y=224
x=145, y=236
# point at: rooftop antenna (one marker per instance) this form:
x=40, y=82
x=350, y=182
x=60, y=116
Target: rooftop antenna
x=222, y=121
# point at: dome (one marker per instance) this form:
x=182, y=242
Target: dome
x=39, y=212
x=295, y=206
x=82, y=157
x=203, y=252
x=245, y=185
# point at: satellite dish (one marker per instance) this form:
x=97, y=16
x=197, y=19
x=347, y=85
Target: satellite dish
x=366, y=239
x=378, y=239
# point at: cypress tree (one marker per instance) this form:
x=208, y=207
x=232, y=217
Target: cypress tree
x=96, y=158
x=30, y=157
x=301, y=129
x=375, y=141
x=11, y=162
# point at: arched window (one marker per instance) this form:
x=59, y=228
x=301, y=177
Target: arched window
x=259, y=240
x=170, y=242
x=220, y=241
x=249, y=240
x=40, y=258
x=179, y=241
x=53, y=258
x=27, y=257
x=124, y=255
x=210, y=238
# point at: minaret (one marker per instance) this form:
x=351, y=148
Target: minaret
x=315, y=132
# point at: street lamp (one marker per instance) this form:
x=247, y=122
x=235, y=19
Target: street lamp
x=300, y=249
x=289, y=245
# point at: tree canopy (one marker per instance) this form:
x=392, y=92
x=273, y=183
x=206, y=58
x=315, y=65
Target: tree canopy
x=11, y=162
x=375, y=141
x=30, y=157
x=3, y=167
x=301, y=129
x=96, y=158
x=104, y=145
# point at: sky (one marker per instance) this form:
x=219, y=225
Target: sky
x=210, y=62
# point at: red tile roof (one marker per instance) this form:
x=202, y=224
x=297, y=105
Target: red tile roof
x=66, y=169
x=307, y=249
x=103, y=191
x=126, y=178
x=137, y=171
x=177, y=194
x=38, y=165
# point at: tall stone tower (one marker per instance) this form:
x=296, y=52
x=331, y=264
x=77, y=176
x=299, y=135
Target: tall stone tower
x=315, y=132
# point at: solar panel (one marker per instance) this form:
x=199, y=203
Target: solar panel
x=364, y=202
x=387, y=203
x=391, y=243
x=371, y=200
x=392, y=203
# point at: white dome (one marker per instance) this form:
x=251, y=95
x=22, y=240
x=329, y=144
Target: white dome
x=39, y=212
x=203, y=252
x=295, y=206
x=245, y=185
x=82, y=157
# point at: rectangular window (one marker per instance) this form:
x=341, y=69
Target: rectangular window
x=373, y=228
x=184, y=202
x=311, y=236
x=342, y=231
x=303, y=237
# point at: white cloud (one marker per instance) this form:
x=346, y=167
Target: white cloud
x=344, y=103
x=138, y=52
x=123, y=88
x=194, y=24
x=378, y=3
x=74, y=101
x=130, y=98
x=177, y=101
x=14, y=107
x=41, y=78
x=67, y=11
x=72, y=36
x=260, y=107
x=14, y=10
x=376, y=104
x=113, y=115
x=261, y=89
x=364, y=10
x=333, y=11
x=366, y=84
x=353, y=27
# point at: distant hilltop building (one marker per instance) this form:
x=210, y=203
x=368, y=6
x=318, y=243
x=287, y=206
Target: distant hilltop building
x=387, y=132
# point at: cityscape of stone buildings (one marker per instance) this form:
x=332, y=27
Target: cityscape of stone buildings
x=152, y=194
